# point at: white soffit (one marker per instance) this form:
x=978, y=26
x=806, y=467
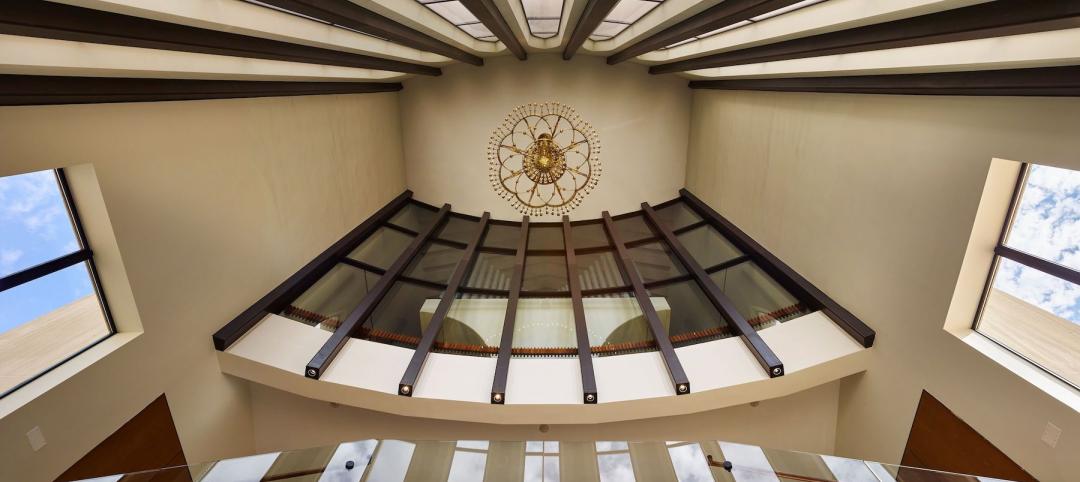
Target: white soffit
x=1040, y=49
x=38, y=56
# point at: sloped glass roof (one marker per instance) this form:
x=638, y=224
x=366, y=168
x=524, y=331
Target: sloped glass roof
x=764, y=16
x=625, y=14
x=543, y=16
x=455, y=12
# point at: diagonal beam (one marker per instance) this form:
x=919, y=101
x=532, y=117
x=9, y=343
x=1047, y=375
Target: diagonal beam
x=986, y=20
x=502, y=365
x=591, y=16
x=728, y=12
x=360, y=314
x=588, y=377
x=292, y=287
x=35, y=18
x=765, y=356
x=350, y=15
x=782, y=273
x=53, y=90
x=489, y=15
x=427, y=340
x=622, y=259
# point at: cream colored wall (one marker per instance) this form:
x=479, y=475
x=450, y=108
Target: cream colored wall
x=872, y=198
x=212, y=204
x=802, y=421
x=642, y=121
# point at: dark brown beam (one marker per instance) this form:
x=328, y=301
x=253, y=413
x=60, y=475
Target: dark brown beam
x=427, y=340
x=488, y=14
x=35, y=18
x=595, y=11
x=506, y=343
x=53, y=90
x=765, y=356
x=992, y=19
x=360, y=314
x=37, y=271
x=296, y=284
x=679, y=381
x=1043, y=81
x=588, y=377
x=728, y=12
x=350, y=15
x=782, y=273
x=1046, y=266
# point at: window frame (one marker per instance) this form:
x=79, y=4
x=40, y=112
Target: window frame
x=84, y=254
x=1001, y=251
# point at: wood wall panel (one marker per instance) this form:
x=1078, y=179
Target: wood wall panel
x=148, y=441
x=940, y=440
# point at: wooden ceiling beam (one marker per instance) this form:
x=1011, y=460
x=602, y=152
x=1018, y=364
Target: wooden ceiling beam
x=34, y=18
x=489, y=15
x=718, y=16
x=986, y=20
x=595, y=11
x=351, y=15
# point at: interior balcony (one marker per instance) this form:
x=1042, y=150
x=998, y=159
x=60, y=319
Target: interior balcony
x=424, y=312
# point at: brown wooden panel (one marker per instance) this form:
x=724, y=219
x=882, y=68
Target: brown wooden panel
x=148, y=441
x=940, y=440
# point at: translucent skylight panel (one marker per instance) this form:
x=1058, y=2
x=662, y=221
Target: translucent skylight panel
x=625, y=14
x=543, y=16
x=789, y=8
x=455, y=12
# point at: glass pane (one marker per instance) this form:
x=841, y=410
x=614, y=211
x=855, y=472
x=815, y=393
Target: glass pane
x=708, y=247
x=459, y=229
x=760, y=299
x=467, y=467
x=610, y=446
x=598, y=270
x=1036, y=315
x=414, y=217
x=677, y=215
x=491, y=271
x=544, y=327
x=615, y=467
x=690, y=464
x=502, y=236
x=633, y=228
x=453, y=11
x=382, y=248
x=1047, y=222
x=693, y=318
x=545, y=273
x=630, y=11
x=391, y=461
x=399, y=317
x=589, y=235
x=472, y=326
x=435, y=262
x=330, y=300
x=34, y=222
x=545, y=237
x=654, y=262
x=45, y=321
x=617, y=325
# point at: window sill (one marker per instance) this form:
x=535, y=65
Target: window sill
x=62, y=373
x=1022, y=368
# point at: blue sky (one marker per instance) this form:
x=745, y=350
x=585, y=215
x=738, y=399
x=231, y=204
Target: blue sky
x=1047, y=225
x=34, y=228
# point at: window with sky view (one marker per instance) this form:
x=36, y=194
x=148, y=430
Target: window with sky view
x=46, y=315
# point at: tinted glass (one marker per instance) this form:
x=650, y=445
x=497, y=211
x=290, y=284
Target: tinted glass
x=330, y=300
x=414, y=217
x=677, y=215
x=459, y=229
x=633, y=228
x=382, y=248
x=654, y=261
x=545, y=237
x=491, y=271
x=403, y=312
x=757, y=297
x=435, y=262
x=598, y=270
x=500, y=236
x=545, y=273
x=617, y=325
x=589, y=235
x=690, y=316
x=544, y=327
x=707, y=246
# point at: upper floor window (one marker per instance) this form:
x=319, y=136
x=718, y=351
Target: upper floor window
x=51, y=305
x=1031, y=304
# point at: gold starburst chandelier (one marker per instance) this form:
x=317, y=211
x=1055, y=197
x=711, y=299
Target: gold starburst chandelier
x=544, y=159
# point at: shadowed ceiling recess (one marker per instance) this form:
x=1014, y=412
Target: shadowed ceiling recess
x=428, y=279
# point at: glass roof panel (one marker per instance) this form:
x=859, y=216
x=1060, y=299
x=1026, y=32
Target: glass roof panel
x=544, y=17
x=625, y=13
x=455, y=12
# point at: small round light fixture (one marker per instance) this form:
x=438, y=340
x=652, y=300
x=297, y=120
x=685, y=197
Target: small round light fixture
x=405, y=389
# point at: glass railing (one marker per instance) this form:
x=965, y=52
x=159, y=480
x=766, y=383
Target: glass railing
x=542, y=461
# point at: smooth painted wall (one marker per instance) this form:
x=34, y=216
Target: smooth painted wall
x=212, y=203
x=642, y=121
x=873, y=198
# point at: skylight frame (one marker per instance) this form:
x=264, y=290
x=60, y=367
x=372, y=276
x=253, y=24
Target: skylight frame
x=473, y=23
x=529, y=20
x=625, y=24
x=760, y=18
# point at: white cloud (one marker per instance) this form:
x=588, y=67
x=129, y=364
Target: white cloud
x=8, y=258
